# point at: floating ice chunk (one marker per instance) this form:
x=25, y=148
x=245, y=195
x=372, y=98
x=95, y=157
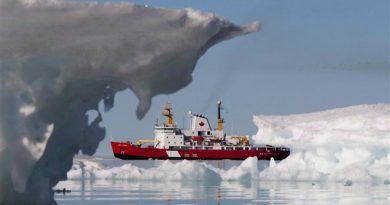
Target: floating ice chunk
x=245, y=172
x=182, y=171
x=188, y=171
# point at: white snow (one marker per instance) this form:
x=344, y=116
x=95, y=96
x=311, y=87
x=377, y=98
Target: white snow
x=342, y=144
x=27, y=110
x=36, y=149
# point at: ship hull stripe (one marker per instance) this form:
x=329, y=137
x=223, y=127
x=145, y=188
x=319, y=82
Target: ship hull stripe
x=131, y=152
x=173, y=154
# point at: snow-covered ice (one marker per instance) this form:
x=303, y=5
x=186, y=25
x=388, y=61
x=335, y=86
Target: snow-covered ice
x=341, y=144
x=181, y=171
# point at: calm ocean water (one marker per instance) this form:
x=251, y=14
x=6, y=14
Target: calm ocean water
x=225, y=192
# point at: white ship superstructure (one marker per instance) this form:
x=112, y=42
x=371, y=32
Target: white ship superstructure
x=199, y=132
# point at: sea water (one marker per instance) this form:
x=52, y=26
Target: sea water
x=244, y=190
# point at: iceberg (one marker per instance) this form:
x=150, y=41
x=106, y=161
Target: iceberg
x=342, y=145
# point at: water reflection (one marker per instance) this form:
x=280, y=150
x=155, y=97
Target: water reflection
x=248, y=191
x=225, y=192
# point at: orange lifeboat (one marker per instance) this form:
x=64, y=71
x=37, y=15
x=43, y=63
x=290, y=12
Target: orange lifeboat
x=197, y=138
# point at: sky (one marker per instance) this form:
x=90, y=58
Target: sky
x=309, y=56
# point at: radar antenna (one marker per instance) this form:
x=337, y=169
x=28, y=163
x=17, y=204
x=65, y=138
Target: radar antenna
x=220, y=120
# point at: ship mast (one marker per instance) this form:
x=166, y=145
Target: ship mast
x=168, y=113
x=220, y=119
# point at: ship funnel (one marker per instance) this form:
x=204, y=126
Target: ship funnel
x=168, y=113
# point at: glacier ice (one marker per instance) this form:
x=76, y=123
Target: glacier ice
x=351, y=143
x=59, y=58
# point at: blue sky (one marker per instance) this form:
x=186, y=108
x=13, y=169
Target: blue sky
x=309, y=56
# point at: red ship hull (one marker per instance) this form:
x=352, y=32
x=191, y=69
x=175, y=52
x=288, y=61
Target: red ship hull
x=129, y=151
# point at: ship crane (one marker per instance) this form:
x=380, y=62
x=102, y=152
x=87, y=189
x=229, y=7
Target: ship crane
x=241, y=140
x=139, y=143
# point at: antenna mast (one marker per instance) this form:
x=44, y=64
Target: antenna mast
x=220, y=120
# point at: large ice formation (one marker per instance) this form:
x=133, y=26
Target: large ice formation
x=341, y=144
x=58, y=59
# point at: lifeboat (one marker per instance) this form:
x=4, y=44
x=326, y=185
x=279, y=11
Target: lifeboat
x=197, y=138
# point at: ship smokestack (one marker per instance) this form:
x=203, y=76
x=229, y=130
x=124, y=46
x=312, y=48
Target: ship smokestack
x=168, y=113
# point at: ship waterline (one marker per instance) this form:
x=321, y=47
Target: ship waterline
x=125, y=150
